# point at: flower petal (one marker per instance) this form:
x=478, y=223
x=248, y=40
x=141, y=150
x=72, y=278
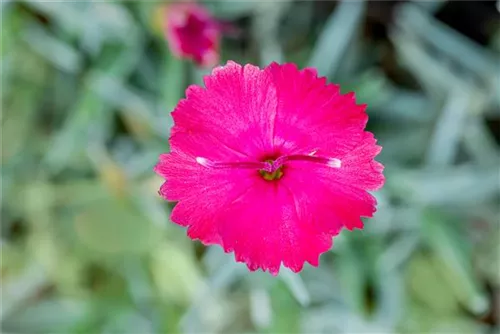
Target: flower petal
x=263, y=229
x=202, y=192
x=312, y=115
x=339, y=194
x=236, y=107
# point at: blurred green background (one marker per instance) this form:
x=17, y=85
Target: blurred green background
x=86, y=242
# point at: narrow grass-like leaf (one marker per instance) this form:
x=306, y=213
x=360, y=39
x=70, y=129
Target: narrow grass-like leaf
x=336, y=36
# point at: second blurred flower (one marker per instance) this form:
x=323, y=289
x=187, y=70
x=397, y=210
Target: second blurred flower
x=192, y=32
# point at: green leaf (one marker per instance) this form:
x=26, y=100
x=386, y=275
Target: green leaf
x=446, y=186
x=19, y=284
x=414, y=21
x=226, y=9
x=175, y=274
x=296, y=285
x=454, y=262
x=487, y=254
x=60, y=54
x=334, y=40
x=260, y=308
x=429, y=287
x=128, y=322
x=115, y=227
x=286, y=311
x=51, y=315
x=419, y=319
x=82, y=123
x=351, y=274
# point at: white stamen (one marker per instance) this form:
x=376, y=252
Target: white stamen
x=334, y=163
x=313, y=152
x=202, y=161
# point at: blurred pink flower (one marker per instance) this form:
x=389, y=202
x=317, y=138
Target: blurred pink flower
x=270, y=164
x=192, y=32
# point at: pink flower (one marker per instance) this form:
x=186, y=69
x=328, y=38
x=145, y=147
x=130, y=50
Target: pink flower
x=192, y=33
x=270, y=164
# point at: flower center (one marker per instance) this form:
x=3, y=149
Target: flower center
x=275, y=174
x=271, y=170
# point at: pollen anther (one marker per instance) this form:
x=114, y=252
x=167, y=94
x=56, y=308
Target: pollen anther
x=202, y=161
x=334, y=163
